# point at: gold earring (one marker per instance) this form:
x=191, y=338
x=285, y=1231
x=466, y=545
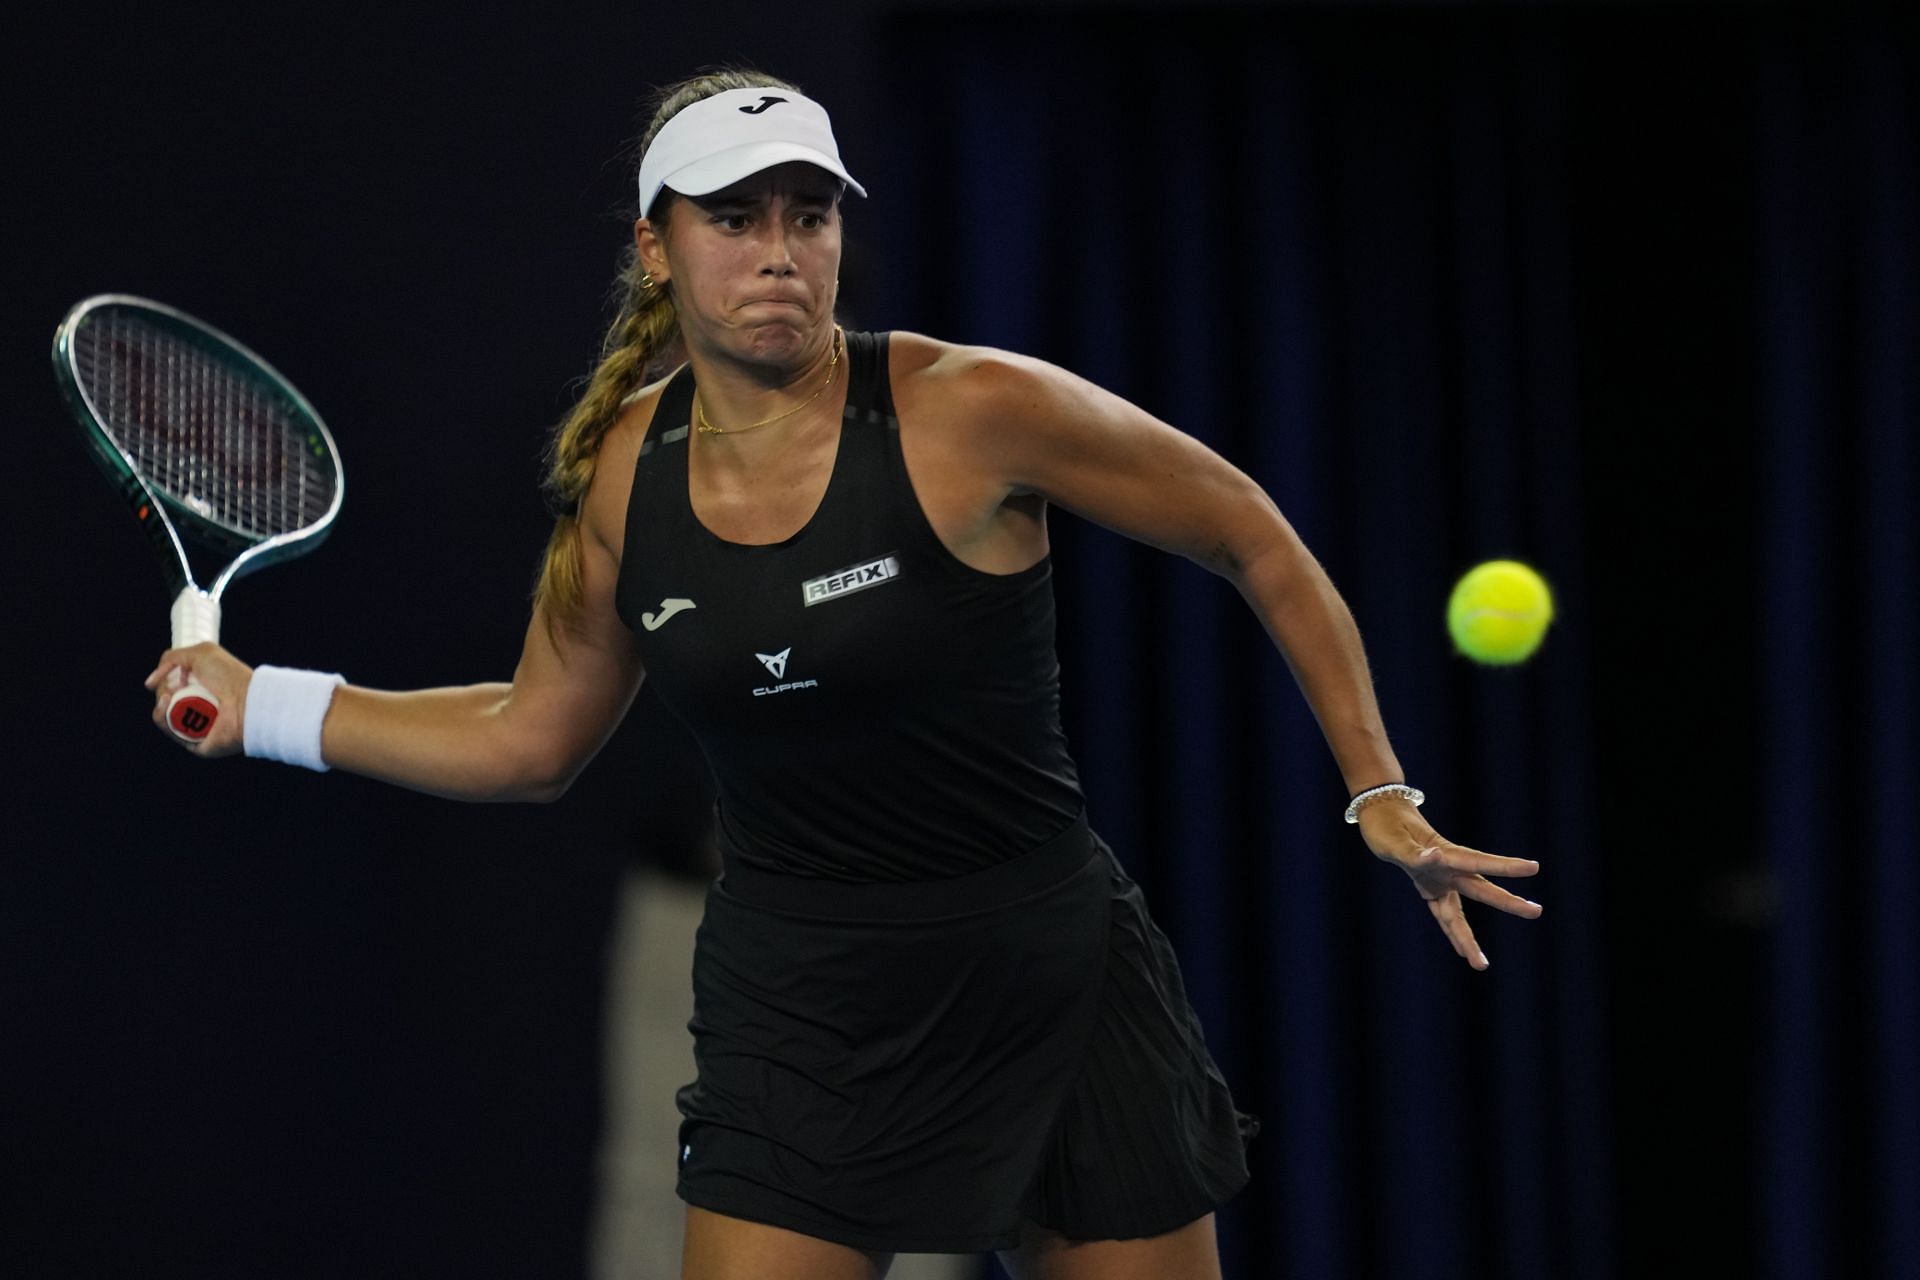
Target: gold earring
x=647, y=281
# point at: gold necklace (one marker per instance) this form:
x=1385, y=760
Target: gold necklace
x=708, y=429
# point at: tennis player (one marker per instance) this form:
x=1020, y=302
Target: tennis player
x=932, y=1013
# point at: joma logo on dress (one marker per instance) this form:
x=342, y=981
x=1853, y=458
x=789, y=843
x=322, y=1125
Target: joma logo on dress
x=847, y=581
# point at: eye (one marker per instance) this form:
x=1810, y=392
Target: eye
x=812, y=221
x=732, y=221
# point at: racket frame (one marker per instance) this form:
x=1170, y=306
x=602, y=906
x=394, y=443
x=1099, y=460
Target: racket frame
x=157, y=510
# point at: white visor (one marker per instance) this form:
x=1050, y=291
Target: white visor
x=719, y=140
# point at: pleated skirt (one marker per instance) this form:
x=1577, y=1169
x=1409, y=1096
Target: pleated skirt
x=919, y=1068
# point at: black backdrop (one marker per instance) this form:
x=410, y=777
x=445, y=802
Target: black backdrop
x=1628, y=291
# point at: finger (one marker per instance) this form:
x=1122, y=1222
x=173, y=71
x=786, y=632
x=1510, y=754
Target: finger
x=1453, y=922
x=1494, y=896
x=1446, y=913
x=1461, y=858
x=182, y=655
x=170, y=658
x=164, y=672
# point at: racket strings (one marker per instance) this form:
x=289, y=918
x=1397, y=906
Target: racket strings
x=208, y=437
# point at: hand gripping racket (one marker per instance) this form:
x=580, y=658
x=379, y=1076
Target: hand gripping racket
x=203, y=438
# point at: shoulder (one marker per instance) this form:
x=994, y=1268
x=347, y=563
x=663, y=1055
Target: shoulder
x=980, y=390
x=1033, y=427
x=979, y=375
x=1014, y=413
x=606, y=504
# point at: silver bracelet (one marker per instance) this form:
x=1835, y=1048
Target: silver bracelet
x=1374, y=793
x=284, y=710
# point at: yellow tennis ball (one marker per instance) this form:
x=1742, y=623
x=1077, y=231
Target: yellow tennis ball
x=1499, y=612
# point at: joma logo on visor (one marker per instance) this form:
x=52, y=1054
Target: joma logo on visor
x=847, y=581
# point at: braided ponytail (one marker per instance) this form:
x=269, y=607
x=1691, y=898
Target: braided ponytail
x=644, y=334
x=644, y=329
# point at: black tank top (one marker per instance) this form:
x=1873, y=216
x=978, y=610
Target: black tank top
x=873, y=708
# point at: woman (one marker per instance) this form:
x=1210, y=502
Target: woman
x=932, y=1014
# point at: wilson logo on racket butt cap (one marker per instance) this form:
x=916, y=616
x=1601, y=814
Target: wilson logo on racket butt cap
x=192, y=718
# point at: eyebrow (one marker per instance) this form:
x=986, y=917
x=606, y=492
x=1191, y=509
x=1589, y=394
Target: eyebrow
x=820, y=198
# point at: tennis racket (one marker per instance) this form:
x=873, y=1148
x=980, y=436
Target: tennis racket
x=204, y=440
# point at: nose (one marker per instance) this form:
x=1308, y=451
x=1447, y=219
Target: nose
x=775, y=257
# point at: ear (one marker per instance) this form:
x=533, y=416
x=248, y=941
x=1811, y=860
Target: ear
x=653, y=250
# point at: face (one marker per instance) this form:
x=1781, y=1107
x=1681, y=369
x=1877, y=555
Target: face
x=755, y=267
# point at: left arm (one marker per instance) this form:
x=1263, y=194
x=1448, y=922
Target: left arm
x=1054, y=434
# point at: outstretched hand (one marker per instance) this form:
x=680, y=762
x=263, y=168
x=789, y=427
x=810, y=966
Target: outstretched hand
x=1444, y=872
x=222, y=675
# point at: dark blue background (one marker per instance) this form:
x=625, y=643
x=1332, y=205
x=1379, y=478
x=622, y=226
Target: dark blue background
x=1628, y=291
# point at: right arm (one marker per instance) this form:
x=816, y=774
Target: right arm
x=523, y=740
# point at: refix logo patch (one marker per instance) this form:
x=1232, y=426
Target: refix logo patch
x=846, y=581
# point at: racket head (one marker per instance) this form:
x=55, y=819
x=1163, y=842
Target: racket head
x=175, y=409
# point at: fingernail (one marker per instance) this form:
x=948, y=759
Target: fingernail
x=1484, y=962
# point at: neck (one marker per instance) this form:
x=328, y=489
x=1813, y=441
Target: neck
x=736, y=393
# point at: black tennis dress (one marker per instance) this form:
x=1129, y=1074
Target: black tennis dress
x=928, y=1002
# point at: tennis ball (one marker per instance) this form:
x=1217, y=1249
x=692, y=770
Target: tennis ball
x=1499, y=612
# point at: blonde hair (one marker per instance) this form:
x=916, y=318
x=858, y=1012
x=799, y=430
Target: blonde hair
x=643, y=342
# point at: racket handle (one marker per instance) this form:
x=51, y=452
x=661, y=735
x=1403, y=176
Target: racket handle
x=191, y=710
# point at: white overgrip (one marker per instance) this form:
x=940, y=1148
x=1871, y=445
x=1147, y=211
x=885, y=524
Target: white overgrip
x=196, y=618
x=191, y=710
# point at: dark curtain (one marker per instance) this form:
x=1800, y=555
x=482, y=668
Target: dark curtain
x=1838, y=209
x=1626, y=290
x=1628, y=294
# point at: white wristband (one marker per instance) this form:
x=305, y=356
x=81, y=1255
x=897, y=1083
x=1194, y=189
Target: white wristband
x=285, y=709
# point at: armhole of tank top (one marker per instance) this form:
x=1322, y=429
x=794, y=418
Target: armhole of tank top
x=676, y=402
x=675, y=405
x=916, y=514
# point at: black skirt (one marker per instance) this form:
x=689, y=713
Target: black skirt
x=918, y=1067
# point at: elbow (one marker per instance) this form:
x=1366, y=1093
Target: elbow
x=518, y=793
x=1248, y=538
x=526, y=762
x=1248, y=561
x=1273, y=574
x=1221, y=557
x=532, y=778
x=542, y=787
x=526, y=793
x=548, y=792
